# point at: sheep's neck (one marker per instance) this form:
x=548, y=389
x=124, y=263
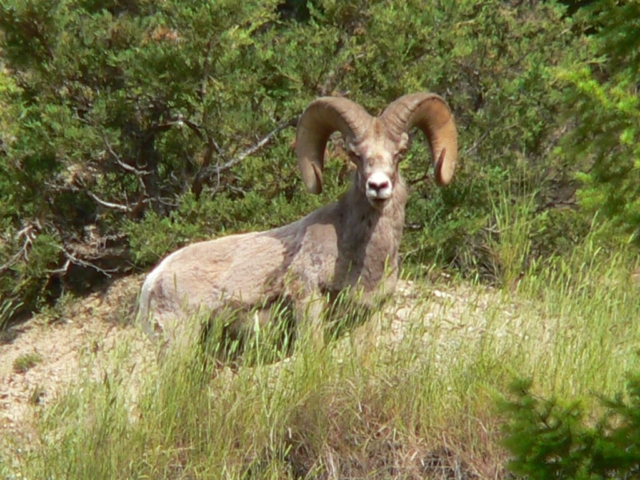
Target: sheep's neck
x=370, y=238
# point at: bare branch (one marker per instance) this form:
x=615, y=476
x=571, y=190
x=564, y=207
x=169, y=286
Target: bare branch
x=118, y=160
x=292, y=122
x=104, y=203
x=421, y=179
x=15, y=258
x=194, y=127
x=29, y=234
x=206, y=137
x=62, y=270
x=83, y=263
x=72, y=259
x=212, y=146
x=208, y=171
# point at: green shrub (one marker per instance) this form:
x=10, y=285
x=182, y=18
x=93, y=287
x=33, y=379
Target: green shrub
x=136, y=127
x=550, y=439
x=603, y=102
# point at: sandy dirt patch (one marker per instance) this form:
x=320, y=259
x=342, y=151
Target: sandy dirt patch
x=59, y=346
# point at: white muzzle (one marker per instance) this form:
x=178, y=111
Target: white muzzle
x=378, y=187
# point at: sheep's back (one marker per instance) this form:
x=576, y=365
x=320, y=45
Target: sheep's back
x=206, y=276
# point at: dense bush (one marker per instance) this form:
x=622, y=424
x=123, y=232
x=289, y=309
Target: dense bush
x=605, y=107
x=550, y=440
x=135, y=127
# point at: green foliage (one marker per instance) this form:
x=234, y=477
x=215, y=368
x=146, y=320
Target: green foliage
x=136, y=127
x=549, y=439
x=7, y=309
x=116, y=102
x=604, y=104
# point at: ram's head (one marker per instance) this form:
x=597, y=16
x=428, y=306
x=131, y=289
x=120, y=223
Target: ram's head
x=376, y=144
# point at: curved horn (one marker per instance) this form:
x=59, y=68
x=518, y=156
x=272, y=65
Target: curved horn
x=321, y=118
x=430, y=113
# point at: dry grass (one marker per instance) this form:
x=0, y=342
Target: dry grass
x=409, y=394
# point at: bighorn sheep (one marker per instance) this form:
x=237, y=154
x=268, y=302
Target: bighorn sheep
x=351, y=244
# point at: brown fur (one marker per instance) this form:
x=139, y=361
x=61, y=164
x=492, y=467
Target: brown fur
x=349, y=246
x=345, y=244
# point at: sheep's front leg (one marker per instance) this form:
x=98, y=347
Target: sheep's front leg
x=309, y=316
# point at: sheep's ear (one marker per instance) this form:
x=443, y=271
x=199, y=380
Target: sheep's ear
x=403, y=143
x=321, y=118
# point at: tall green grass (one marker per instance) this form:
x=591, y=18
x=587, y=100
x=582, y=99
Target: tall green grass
x=394, y=398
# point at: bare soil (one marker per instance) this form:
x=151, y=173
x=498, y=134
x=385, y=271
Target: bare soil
x=58, y=340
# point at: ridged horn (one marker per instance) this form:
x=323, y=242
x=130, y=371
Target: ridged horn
x=431, y=114
x=320, y=119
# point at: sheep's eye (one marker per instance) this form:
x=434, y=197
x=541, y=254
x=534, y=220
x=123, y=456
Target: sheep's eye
x=354, y=156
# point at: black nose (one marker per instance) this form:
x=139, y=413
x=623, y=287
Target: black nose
x=377, y=186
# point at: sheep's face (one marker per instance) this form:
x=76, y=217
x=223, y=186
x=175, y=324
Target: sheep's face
x=377, y=158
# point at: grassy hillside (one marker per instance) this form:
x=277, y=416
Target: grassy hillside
x=130, y=129
x=410, y=394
